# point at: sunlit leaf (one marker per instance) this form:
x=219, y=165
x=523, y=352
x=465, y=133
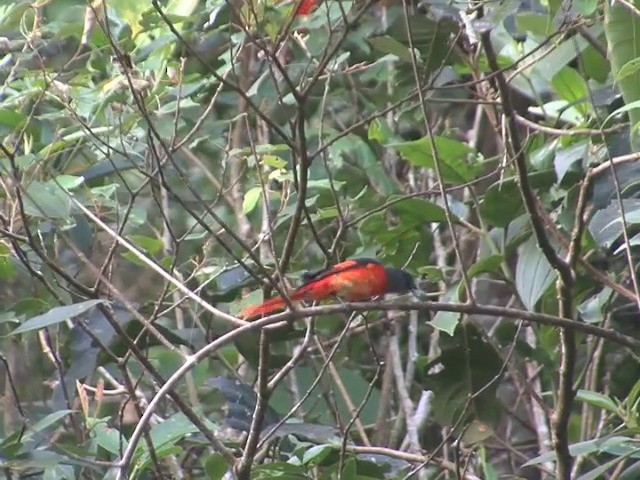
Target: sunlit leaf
x=56, y=315
x=251, y=198
x=533, y=273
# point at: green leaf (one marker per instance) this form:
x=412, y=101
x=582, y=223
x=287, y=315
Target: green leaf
x=46, y=200
x=280, y=470
x=535, y=23
x=379, y=131
x=487, y=468
x=273, y=161
x=215, y=466
x=501, y=203
x=632, y=403
x=354, y=147
x=570, y=86
x=69, y=182
x=422, y=211
x=488, y=264
x=621, y=29
x=599, y=471
x=109, y=438
x=268, y=148
x=629, y=68
x=7, y=265
x=316, y=454
x=59, y=472
x=431, y=272
x=46, y=422
x=592, y=309
x=565, y=158
x=457, y=160
x=446, y=321
x=606, y=225
x=586, y=7
x=597, y=399
x=580, y=448
x=386, y=44
x=171, y=430
x=56, y=315
x=251, y=199
x=635, y=105
x=476, y=433
x=533, y=274
x=149, y=245
x=350, y=471
x=11, y=118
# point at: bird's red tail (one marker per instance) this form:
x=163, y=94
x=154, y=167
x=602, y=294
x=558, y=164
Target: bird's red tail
x=309, y=292
x=263, y=309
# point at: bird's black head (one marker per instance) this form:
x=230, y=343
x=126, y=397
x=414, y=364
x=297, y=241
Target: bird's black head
x=399, y=281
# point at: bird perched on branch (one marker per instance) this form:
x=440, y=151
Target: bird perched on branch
x=353, y=280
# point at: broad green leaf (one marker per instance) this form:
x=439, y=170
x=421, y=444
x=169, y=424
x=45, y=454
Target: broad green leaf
x=599, y=471
x=446, y=321
x=597, y=399
x=386, y=44
x=431, y=272
x=632, y=402
x=580, y=448
x=565, y=158
x=290, y=470
x=170, y=431
x=109, y=438
x=455, y=380
x=490, y=264
x=592, y=309
x=130, y=12
x=379, y=131
x=59, y=472
x=148, y=245
x=606, y=224
x=316, y=454
x=11, y=118
x=477, y=432
x=7, y=265
x=268, y=148
x=352, y=146
x=418, y=209
x=215, y=466
x=621, y=444
x=624, y=46
x=47, y=200
x=570, y=86
x=586, y=7
x=273, y=161
x=46, y=422
x=350, y=470
x=251, y=199
x=69, y=182
x=629, y=68
x=487, y=468
x=56, y=315
x=536, y=23
x=457, y=159
x=502, y=203
x=533, y=273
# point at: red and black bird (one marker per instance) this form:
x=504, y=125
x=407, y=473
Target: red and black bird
x=352, y=280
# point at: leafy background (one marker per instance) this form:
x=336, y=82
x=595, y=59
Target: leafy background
x=165, y=163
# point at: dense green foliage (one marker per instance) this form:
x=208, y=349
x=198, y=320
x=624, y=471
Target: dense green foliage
x=164, y=164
